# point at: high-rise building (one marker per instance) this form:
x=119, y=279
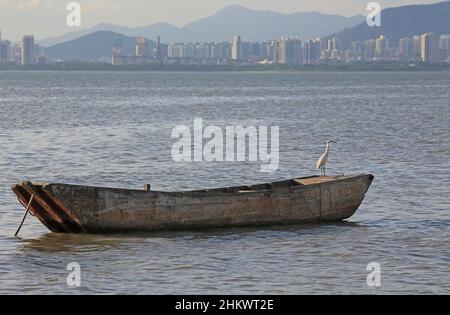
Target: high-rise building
x=356, y=53
x=332, y=49
x=370, y=46
x=298, y=51
x=142, y=47
x=5, y=50
x=323, y=44
x=117, y=47
x=161, y=52
x=283, y=50
x=444, y=45
x=175, y=50
x=290, y=51
x=38, y=51
x=416, y=41
x=256, y=51
x=405, y=48
x=336, y=45
x=429, y=46
x=246, y=50
x=8, y=51
x=222, y=50
x=203, y=50
x=311, y=52
x=28, y=50
x=117, y=51
x=381, y=47
x=158, y=53
x=16, y=54
x=188, y=50
x=236, y=48
x=425, y=48
x=272, y=51
x=215, y=52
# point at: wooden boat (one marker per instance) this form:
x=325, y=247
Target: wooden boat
x=82, y=209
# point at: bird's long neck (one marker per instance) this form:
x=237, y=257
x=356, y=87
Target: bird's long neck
x=328, y=148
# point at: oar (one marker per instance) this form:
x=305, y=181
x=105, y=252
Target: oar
x=25, y=215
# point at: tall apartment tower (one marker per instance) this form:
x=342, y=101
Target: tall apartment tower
x=429, y=44
x=28, y=50
x=117, y=51
x=444, y=45
x=381, y=47
x=2, y=53
x=142, y=47
x=158, y=49
x=416, y=41
x=283, y=50
x=236, y=48
x=5, y=51
x=290, y=51
x=311, y=52
x=405, y=49
x=425, y=48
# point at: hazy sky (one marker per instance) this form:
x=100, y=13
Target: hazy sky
x=46, y=18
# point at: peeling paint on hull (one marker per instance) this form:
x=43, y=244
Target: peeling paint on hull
x=81, y=209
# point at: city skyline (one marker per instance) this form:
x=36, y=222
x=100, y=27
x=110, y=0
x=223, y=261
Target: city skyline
x=230, y=42
x=47, y=18
x=425, y=48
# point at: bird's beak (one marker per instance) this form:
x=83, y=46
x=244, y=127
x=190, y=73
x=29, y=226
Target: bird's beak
x=333, y=141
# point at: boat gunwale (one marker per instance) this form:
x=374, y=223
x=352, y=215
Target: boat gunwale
x=225, y=191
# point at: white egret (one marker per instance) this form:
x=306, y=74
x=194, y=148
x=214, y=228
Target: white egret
x=320, y=164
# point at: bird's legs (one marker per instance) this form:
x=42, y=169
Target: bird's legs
x=324, y=171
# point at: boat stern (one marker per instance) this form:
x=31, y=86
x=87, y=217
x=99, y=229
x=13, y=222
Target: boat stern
x=42, y=204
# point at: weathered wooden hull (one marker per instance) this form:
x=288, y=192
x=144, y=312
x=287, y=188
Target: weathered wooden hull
x=81, y=209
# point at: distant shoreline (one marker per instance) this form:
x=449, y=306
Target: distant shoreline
x=381, y=66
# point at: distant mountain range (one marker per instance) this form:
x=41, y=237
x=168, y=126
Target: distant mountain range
x=255, y=26
x=250, y=24
x=91, y=46
x=403, y=21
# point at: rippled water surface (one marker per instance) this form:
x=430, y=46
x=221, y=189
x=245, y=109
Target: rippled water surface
x=114, y=129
